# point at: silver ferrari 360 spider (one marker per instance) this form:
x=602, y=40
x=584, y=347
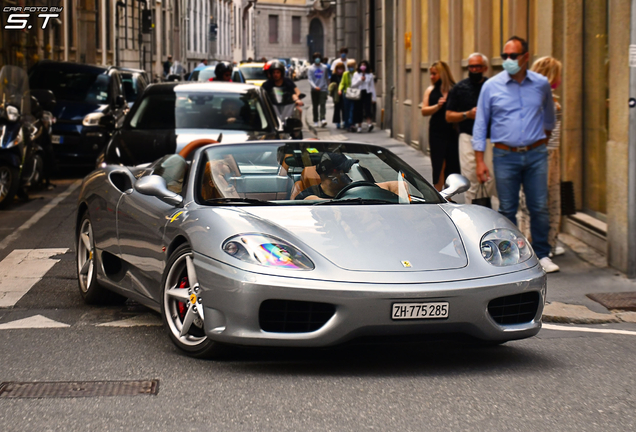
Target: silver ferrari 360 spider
x=303, y=243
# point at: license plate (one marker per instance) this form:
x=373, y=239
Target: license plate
x=419, y=310
x=57, y=139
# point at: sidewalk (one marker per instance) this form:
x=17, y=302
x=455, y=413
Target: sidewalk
x=583, y=271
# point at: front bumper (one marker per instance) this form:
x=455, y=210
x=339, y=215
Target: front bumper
x=78, y=145
x=232, y=298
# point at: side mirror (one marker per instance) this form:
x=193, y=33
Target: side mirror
x=107, y=121
x=45, y=98
x=293, y=125
x=120, y=101
x=455, y=184
x=154, y=185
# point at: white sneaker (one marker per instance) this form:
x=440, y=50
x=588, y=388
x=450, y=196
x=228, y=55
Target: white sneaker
x=548, y=265
x=324, y=122
x=316, y=124
x=557, y=251
x=359, y=129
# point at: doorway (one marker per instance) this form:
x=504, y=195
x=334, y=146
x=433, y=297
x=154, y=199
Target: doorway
x=316, y=37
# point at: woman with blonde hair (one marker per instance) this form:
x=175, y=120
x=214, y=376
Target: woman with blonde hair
x=443, y=139
x=550, y=68
x=345, y=83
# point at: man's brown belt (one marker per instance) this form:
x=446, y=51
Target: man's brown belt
x=520, y=149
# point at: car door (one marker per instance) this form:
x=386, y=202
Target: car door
x=141, y=221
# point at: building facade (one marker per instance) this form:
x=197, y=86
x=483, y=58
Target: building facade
x=100, y=32
x=294, y=28
x=109, y=32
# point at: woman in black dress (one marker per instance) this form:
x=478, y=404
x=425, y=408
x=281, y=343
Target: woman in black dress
x=443, y=139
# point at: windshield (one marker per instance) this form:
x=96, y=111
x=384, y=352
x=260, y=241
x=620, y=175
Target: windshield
x=76, y=86
x=13, y=85
x=309, y=174
x=206, y=74
x=253, y=73
x=201, y=110
x=133, y=86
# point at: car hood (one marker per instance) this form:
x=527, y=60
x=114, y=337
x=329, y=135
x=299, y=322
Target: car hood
x=75, y=111
x=186, y=136
x=379, y=238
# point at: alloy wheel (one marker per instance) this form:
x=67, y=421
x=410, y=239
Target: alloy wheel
x=86, y=255
x=183, y=306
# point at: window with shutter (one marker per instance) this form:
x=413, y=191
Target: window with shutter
x=273, y=29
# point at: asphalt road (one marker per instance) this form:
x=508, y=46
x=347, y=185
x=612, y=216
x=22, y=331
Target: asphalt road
x=558, y=381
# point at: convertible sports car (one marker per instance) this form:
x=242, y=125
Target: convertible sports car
x=302, y=243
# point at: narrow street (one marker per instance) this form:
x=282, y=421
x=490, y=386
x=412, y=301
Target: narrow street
x=571, y=377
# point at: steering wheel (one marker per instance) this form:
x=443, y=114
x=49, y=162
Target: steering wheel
x=353, y=186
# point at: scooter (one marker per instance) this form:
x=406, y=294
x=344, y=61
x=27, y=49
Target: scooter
x=292, y=116
x=25, y=134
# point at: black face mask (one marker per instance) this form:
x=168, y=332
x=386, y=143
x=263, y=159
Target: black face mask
x=475, y=77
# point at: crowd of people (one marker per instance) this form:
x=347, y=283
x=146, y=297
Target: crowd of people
x=503, y=135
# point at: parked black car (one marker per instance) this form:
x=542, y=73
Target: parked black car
x=90, y=101
x=170, y=115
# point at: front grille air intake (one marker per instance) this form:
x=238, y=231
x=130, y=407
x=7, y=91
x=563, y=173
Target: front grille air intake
x=514, y=309
x=289, y=316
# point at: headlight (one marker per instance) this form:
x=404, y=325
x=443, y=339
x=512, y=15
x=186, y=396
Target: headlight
x=504, y=247
x=12, y=113
x=266, y=251
x=17, y=141
x=92, y=119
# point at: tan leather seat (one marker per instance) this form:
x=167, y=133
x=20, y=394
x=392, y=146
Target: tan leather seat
x=308, y=177
x=209, y=187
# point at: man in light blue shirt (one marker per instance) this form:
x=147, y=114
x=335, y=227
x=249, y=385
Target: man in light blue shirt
x=319, y=81
x=517, y=105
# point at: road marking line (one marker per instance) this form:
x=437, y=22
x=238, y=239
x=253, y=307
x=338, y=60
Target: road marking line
x=136, y=321
x=36, y=321
x=22, y=269
x=589, y=330
x=39, y=215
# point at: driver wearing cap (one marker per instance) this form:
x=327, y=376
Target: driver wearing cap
x=332, y=170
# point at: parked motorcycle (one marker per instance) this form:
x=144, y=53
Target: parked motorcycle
x=25, y=134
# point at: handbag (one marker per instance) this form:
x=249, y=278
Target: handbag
x=484, y=199
x=353, y=93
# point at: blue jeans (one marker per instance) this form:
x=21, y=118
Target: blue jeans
x=529, y=169
x=348, y=112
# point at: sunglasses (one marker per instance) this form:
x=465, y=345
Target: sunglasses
x=513, y=56
x=475, y=66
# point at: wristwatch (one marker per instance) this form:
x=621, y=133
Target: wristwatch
x=464, y=115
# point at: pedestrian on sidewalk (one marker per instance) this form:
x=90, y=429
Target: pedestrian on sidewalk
x=166, y=67
x=550, y=68
x=345, y=83
x=344, y=60
x=363, y=109
x=338, y=101
x=203, y=63
x=518, y=106
x=317, y=77
x=442, y=136
x=461, y=108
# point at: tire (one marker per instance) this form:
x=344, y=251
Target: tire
x=38, y=174
x=180, y=301
x=90, y=289
x=9, y=184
